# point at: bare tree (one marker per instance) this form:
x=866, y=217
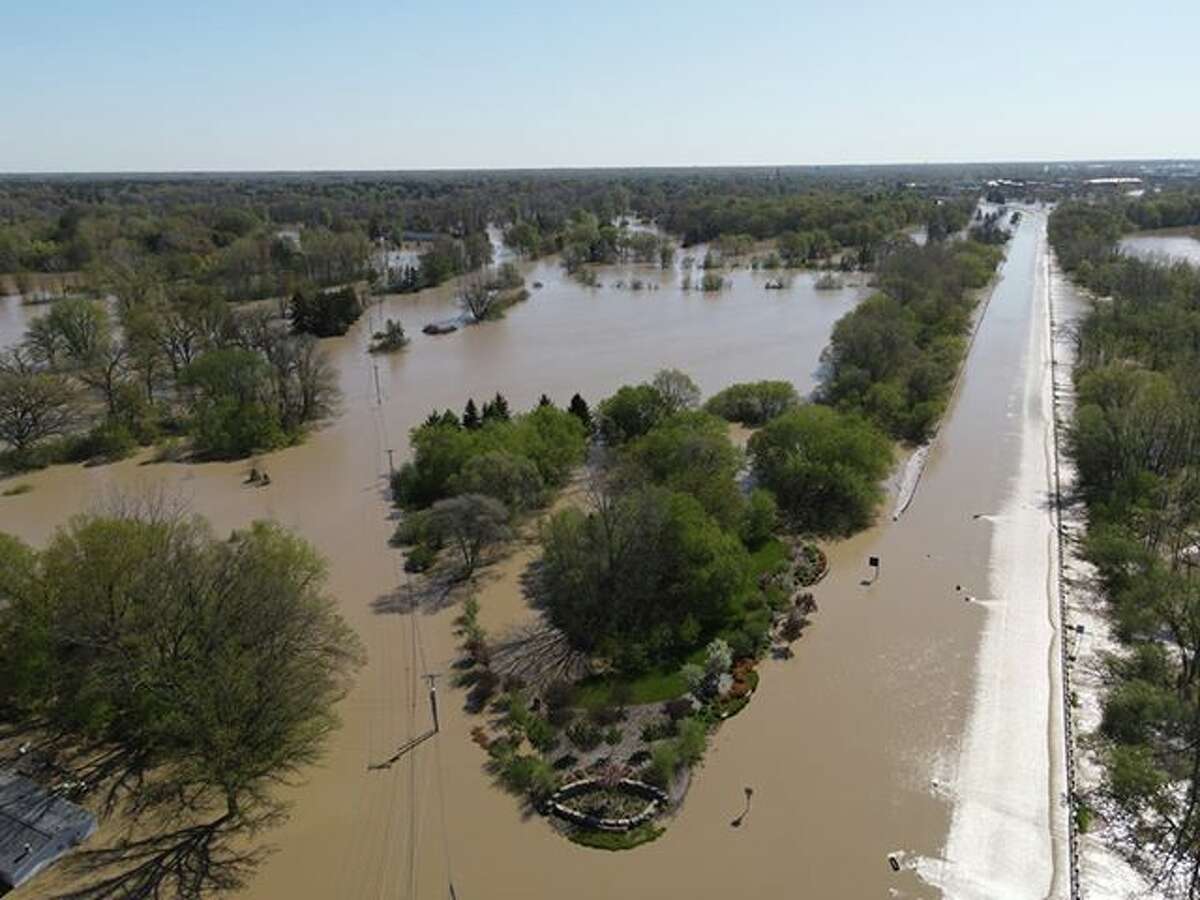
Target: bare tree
x=475, y=297
x=34, y=406
x=45, y=342
x=107, y=371
x=678, y=390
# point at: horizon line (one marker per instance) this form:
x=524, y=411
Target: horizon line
x=117, y=173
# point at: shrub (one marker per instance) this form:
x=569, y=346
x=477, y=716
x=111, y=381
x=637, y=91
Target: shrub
x=391, y=339
x=1134, y=778
x=718, y=657
x=759, y=518
x=659, y=729
x=529, y=775
x=584, y=735
x=559, y=694
x=420, y=558
x=486, y=684
x=755, y=402
x=694, y=677
x=606, y=715
x=107, y=442
x=541, y=734
x=414, y=528
x=692, y=741
x=678, y=708
x=664, y=763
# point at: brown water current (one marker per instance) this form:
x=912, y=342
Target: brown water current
x=840, y=744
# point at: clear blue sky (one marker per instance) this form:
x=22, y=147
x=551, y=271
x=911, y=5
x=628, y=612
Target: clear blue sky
x=261, y=84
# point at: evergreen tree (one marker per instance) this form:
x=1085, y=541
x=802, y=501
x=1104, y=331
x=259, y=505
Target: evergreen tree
x=499, y=407
x=470, y=419
x=449, y=418
x=579, y=409
x=545, y=401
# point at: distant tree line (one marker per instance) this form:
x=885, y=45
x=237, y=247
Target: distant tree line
x=258, y=236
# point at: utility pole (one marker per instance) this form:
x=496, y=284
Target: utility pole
x=432, y=679
x=378, y=395
x=391, y=467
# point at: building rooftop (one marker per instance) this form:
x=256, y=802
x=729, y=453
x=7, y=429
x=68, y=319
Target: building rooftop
x=36, y=826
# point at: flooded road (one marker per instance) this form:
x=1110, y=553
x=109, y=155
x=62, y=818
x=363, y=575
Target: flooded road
x=858, y=747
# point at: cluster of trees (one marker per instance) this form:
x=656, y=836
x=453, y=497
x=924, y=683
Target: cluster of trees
x=257, y=236
x=895, y=356
x=485, y=295
x=584, y=238
x=232, y=250
x=470, y=476
x=90, y=383
x=845, y=218
x=824, y=467
x=1136, y=441
x=446, y=257
x=182, y=676
x=948, y=217
x=989, y=228
x=1168, y=209
x=324, y=313
x=659, y=560
x=390, y=339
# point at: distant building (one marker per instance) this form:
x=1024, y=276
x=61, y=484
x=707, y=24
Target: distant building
x=36, y=828
x=420, y=237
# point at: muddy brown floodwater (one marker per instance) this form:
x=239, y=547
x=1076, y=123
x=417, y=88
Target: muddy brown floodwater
x=842, y=744
x=349, y=830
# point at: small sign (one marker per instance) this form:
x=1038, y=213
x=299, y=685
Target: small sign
x=873, y=561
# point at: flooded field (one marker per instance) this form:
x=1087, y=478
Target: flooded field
x=902, y=699
x=349, y=827
x=1176, y=244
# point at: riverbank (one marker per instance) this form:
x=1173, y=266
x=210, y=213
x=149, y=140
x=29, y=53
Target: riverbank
x=1103, y=873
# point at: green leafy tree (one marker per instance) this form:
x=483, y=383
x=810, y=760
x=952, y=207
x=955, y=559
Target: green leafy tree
x=230, y=412
x=754, y=403
x=472, y=524
x=206, y=670
x=631, y=412
x=824, y=468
